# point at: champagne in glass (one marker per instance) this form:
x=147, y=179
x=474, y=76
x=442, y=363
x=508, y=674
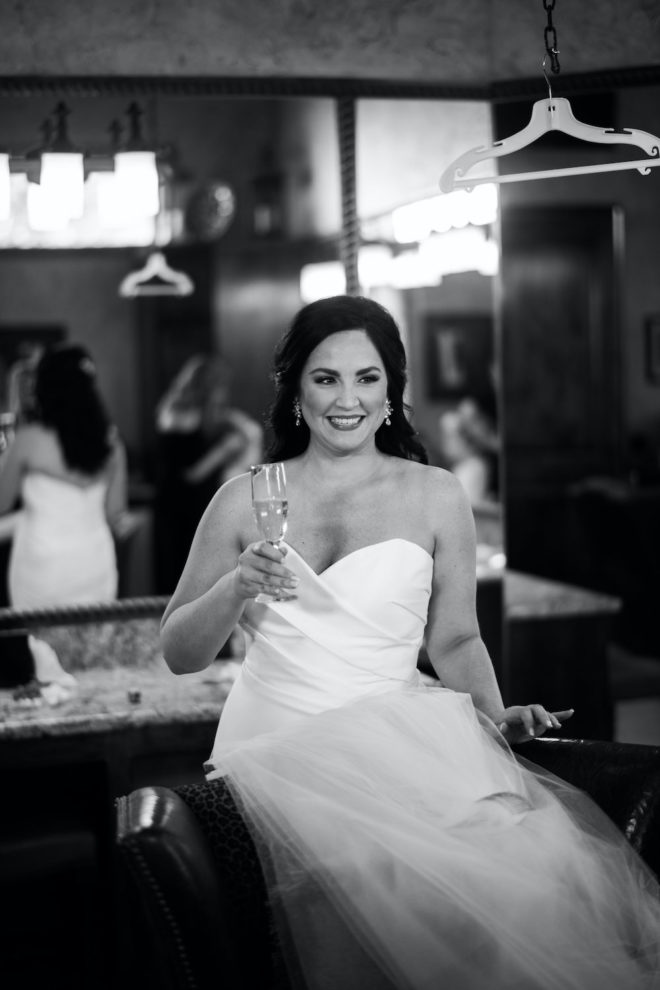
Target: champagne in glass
x=270, y=507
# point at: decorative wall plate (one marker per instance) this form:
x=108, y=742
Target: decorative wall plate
x=210, y=210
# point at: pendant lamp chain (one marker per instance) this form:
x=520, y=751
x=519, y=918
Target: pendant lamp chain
x=550, y=37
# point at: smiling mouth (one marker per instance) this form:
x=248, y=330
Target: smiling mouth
x=345, y=422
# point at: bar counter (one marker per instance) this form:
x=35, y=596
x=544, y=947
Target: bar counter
x=114, y=660
x=102, y=701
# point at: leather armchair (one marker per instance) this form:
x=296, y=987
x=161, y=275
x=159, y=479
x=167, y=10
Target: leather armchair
x=201, y=919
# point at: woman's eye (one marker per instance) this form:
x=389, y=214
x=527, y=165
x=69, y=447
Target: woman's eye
x=370, y=379
x=326, y=380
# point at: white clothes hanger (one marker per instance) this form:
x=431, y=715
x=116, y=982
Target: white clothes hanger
x=551, y=115
x=156, y=278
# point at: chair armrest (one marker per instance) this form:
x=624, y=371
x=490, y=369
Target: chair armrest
x=171, y=865
x=622, y=778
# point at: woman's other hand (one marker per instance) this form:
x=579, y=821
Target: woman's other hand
x=520, y=723
x=260, y=569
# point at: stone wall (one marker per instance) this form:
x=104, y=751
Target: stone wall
x=456, y=41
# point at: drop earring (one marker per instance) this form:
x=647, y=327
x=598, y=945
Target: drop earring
x=388, y=412
x=297, y=412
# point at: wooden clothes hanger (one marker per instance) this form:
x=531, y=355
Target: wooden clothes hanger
x=551, y=115
x=156, y=279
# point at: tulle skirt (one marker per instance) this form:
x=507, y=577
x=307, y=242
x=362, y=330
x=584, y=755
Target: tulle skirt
x=404, y=847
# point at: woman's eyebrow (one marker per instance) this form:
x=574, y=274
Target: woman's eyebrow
x=331, y=371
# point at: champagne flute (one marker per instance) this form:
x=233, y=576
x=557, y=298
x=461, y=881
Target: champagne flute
x=270, y=506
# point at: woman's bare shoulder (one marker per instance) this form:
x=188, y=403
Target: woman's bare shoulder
x=427, y=478
x=232, y=503
x=34, y=440
x=33, y=431
x=432, y=495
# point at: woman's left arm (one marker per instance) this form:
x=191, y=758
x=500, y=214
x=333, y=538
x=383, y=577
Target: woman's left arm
x=12, y=466
x=116, y=499
x=453, y=641
x=246, y=435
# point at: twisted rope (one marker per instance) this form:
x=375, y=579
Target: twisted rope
x=349, y=242
x=66, y=615
x=345, y=87
x=84, y=86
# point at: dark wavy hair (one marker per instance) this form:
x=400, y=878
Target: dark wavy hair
x=68, y=401
x=310, y=327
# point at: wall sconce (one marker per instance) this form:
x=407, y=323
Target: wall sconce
x=128, y=195
x=136, y=172
x=62, y=178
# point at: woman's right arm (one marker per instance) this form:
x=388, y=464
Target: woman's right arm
x=12, y=467
x=217, y=581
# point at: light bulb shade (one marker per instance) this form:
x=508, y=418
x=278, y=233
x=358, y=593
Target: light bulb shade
x=136, y=174
x=5, y=187
x=111, y=205
x=45, y=212
x=63, y=181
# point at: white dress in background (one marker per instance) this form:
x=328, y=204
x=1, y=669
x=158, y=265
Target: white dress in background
x=62, y=551
x=404, y=848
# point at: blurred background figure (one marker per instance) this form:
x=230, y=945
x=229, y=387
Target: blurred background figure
x=203, y=441
x=19, y=399
x=21, y=385
x=469, y=445
x=65, y=468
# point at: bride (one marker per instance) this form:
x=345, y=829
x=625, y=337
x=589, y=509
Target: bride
x=403, y=844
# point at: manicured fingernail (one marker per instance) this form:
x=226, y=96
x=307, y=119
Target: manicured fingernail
x=502, y=727
x=531, y=732
x=549, y=724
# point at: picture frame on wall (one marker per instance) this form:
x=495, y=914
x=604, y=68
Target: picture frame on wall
x=459, y=351
x=652, y=348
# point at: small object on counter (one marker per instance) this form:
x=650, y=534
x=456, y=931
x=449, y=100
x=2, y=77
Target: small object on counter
x=28, y=695
x=36, y=692
x=135, y=696
x=48, y=668
x=56, y=693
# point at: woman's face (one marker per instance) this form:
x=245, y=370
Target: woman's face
x=343, y=387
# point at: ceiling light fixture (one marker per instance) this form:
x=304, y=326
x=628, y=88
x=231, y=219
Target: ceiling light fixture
x=62, y=177
x=136, y=171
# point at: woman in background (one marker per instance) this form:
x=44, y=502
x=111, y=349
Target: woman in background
x=203, y=442
x=470, y=446
x=67, y=467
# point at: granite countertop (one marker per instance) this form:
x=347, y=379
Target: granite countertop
x=528, y=596
x=531, y=597
x=110, y=660
x=101, y=700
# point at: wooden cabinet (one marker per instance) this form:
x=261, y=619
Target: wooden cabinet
x=560, y=372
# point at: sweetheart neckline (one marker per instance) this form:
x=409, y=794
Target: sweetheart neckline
x=368, y=546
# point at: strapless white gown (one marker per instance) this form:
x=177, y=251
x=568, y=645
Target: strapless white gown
x=403, y=846
x=62, y=552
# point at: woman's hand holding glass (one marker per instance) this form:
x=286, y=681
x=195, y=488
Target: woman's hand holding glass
x=262, y=575
x=270, y=506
